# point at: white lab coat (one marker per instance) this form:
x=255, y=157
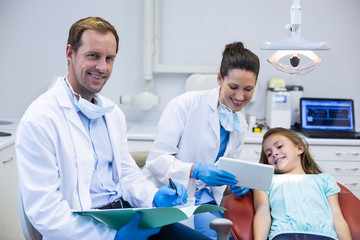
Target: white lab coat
x=189, y=132
x=56, y=162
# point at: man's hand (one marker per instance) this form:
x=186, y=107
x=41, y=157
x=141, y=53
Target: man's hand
x=132, y=231
x=166, y=196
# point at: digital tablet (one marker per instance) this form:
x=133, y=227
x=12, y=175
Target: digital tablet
x=249, y=174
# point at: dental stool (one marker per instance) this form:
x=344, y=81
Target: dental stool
x=222, y=227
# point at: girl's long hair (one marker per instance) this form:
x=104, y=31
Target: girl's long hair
x=307, y=161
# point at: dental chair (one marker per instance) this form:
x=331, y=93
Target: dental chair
x=240, y=210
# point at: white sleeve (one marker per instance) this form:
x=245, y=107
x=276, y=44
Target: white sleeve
x=40, y=184
x=161, y=162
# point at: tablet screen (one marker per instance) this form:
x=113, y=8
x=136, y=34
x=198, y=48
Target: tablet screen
x=248, y=174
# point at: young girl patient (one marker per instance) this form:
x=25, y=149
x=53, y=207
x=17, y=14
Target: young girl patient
x=302, y=202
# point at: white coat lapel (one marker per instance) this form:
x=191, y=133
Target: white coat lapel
x=236, y=139
x=115, y=141
x=67, y=106
x=81, y=144
x=214, y=124
x=212, y=100
x=234, y=146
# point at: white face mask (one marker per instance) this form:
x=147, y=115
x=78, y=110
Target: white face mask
x=228, y=119
x=90, y=110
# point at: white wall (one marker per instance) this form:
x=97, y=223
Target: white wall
x=34, y=35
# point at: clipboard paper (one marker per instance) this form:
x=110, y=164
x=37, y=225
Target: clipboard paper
x=150, y=218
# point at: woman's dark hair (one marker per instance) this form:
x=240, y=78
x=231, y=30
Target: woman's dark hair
x=235, y=56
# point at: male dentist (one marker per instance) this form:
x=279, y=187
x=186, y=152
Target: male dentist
x=72, y=154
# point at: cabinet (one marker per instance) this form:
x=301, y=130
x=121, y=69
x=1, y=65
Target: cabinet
x=251, y=152
x=10, y=228
x=342, y=162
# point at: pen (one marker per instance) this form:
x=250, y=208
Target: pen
x=174, y=187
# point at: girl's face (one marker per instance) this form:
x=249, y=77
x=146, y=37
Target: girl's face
x=236, y=89
x=283, y=154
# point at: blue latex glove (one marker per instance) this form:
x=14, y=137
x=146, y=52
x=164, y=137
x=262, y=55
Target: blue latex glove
x=132, y=231
x=238, y=191
x=212, y=176
x=166, y=196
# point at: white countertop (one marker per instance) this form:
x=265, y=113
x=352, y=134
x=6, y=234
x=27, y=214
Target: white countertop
x=147, y=132
x=8, y=126
x=141, y=132
x=257, y=138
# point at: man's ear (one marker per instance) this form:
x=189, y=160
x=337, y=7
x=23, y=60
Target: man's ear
x=69, y=52
x=219, y=79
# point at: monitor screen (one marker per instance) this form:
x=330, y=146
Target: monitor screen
x=327, y=114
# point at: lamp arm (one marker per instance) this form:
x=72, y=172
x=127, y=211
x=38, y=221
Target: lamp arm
x=295, y=19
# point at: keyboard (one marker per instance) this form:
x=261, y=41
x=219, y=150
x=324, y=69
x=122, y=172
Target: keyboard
x=331, y=134
x=4, y=134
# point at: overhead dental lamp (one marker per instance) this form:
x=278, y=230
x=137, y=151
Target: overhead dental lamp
x=295, y=54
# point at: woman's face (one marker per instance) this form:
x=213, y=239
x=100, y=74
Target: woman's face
x=236, y=89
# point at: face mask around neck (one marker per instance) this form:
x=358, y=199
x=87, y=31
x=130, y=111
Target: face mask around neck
x=228, y=119
x=90, y=110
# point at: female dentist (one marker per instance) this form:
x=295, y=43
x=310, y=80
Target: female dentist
x=198, y=127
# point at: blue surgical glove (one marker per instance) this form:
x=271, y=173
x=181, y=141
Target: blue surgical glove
x=212, y=176
x=238, y=191
x=132, y=231
x=166, y=196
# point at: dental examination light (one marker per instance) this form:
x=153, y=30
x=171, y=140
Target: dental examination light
x=295, y=55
